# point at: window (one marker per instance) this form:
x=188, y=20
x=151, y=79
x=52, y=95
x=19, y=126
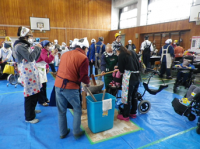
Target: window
x=168, y=10
x=128, y=16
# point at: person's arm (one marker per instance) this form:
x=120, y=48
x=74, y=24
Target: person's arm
x=134, y=47
x=121, y=63
x=45, y=57
x=93, y=53
x=142, y=46
x=151, y=48
x=88, y=53
x=103, y=48
x=30, y=57
x=171, y=51
x=160, y=52
x=9, y=54
x=83, y=72
x=103, y=63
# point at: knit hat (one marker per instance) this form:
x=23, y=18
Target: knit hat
x=44, y=43
x=37, y=39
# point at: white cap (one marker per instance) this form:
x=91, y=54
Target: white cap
x=93, y=40
x=130, y=41
x=56, y=41
x=63, y=43
x=168, y=41
x=74, y=43
x=83, y=42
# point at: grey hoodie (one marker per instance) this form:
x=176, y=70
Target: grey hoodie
x=23, y=51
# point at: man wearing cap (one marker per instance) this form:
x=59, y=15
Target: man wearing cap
x=167, y=53
x=5, y=56
x=117, y=43
x=73, y=70
x=130, y=46
x=45, y=58
x=99, y=50
x=146, y=50
x=174, y=45
x=91, y=56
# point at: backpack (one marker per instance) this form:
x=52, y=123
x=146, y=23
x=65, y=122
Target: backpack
x=147, y=50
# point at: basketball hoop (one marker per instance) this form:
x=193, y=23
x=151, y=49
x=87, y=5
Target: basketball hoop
x=198, y=22
x=40, y=28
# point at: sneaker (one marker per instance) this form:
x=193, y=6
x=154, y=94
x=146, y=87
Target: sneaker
x=62, y=137
x=120, y=117
x=169, y=77
x=133, y=115
x=33, y=121
x=48, y=101
x=81, y=133
x=37, y=111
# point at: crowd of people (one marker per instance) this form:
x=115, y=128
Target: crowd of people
x=34, y=57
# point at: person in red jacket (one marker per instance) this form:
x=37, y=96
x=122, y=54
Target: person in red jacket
x=73, y=70
x=42, y=64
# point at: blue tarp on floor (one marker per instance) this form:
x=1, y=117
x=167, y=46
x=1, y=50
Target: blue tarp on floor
x=162, y=127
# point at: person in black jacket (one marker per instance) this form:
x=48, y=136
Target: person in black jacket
x=130, y=46
x=128, y=64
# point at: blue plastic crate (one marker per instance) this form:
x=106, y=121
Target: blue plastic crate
x=98, y=122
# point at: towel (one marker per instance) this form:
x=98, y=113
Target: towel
x=106, y=104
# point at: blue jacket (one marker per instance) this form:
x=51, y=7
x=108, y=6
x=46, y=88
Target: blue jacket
x=99, y=43
x=170, y=50
x=190, y=65
x=91, y=52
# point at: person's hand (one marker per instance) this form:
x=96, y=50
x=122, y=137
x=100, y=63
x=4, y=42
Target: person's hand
x=54, y=52
x=115, y=67
x=91, y=60
x=179, y=66
x=38, y=45
x=116, y=70
x=87, y=85
x=47, y=70
x=102, y=73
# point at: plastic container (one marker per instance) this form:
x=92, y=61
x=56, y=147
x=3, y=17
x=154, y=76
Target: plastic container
x=97, y=119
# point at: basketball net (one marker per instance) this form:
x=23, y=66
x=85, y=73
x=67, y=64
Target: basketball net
x=40, y=28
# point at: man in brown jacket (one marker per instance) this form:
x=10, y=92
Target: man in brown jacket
x=178, y=52
x=73, y=70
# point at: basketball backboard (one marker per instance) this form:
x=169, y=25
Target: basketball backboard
x=40, y=23
x=194, y=13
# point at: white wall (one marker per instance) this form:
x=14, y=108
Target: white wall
x=114, y=17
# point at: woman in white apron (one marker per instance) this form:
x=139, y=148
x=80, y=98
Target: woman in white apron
x=128, y=64
x=167, y=54
x=45, y=58
x=28, y=72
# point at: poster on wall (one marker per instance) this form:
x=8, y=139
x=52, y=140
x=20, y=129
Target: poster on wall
x=195, y=43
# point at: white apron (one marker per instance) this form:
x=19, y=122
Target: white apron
x=29, y=76
x=41, y=66
x=125, y=85
x=168, y=57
